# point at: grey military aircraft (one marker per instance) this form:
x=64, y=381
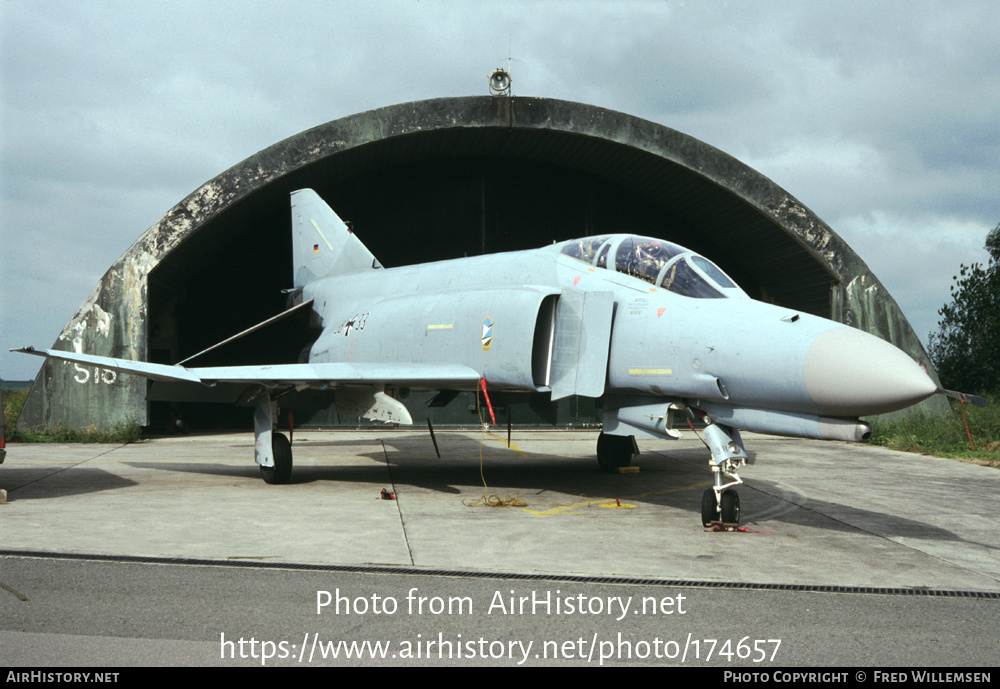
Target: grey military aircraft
x=658, y=332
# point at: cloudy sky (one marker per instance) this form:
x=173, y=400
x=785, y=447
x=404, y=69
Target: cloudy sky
x=881, y=117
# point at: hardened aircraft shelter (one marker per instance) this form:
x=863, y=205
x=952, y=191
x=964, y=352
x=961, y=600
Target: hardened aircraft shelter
x=433, y=180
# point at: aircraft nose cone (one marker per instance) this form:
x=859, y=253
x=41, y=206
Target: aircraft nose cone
x=848, y=372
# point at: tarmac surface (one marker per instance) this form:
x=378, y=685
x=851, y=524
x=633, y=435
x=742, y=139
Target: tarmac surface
x=820, y=512
x=816, y=514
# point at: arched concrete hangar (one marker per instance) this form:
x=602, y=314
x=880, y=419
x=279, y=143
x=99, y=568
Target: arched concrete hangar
x=431, y=180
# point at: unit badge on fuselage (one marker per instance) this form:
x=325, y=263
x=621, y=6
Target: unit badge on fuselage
x=487, y=336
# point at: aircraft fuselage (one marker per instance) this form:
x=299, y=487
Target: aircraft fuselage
x=507, y=316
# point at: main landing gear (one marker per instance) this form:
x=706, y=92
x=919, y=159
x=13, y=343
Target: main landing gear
x=272, y=451
x=721, y=503
x=281, y=472
x=614, y=451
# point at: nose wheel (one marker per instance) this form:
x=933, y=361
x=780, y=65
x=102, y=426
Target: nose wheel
x=725, y=509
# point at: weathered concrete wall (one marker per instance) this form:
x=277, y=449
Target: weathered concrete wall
x=113, y=320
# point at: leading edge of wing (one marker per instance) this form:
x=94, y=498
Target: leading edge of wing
x=430, y=376
x=138, y=368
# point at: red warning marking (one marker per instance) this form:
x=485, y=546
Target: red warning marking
x=482, y=383
x=729, y=528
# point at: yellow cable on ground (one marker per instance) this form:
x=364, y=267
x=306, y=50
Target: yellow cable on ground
x=494, y=500
x=489, y=500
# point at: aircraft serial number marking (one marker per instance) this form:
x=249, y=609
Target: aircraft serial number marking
x=356, y=323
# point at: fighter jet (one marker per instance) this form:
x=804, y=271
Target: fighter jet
x=660, y=334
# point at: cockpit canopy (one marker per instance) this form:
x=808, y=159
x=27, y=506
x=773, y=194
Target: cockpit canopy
x=656, y=261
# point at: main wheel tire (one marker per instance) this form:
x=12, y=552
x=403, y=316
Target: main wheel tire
x=281, y=472
x=730, y=504
x=614, y=451
x=709, y=509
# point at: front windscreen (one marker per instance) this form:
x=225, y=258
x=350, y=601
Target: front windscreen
x=710, y=269
x=584, y=249
x=681, y=278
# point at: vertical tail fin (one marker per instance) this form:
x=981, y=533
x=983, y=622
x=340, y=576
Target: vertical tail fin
x=322, y=245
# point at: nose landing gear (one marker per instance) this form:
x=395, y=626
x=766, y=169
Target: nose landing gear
x=721, y=503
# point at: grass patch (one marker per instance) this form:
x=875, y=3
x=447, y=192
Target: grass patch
x=13, y=402
x=120, y=434
x=945, y=435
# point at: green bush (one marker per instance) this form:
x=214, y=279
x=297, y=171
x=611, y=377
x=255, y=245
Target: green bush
x=945, y=435
x=13, y=400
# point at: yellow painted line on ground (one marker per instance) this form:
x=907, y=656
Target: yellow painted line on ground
x=600, y=501
x=512, y=446
x=557, y=510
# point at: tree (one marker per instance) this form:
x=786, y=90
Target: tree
x=966, y=349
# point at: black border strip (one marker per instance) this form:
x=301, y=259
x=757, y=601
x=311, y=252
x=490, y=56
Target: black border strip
x=512, y=576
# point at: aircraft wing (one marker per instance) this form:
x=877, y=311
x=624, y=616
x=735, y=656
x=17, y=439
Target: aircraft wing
x=436, y=376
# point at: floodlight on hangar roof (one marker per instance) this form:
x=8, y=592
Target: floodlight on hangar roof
x=218, y=260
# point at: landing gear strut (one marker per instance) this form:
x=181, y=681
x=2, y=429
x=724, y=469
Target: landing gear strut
x=272, y=451
x=721, y=503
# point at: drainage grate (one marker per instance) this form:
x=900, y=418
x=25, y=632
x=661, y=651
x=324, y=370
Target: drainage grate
x=512, y=576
